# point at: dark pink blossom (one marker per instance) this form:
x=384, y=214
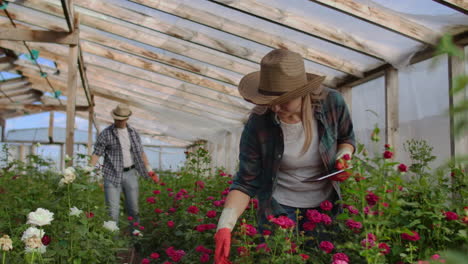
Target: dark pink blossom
x=326, y=246
x=193, y=209
x=372, y=198
x=175, y=255
x=203, y=249
x=450, y=216
x=145, y=261
x=211, y=214
x=158, y=210
x=341, y=256
x=326, y=219
x=263, y=247
x=304, y=257
x=387, y=154
x=309, y=226
x=266, y=232
x=204, y=258
x=151, y=200
x=154, y=255
x=353, y=225
x=284, y=222
x=326, y=205
x=411, y=237
x=314, y=216
x=402, y=167
x=156, y=192
x=248, y=229
x=170, y=224
x=385, y=248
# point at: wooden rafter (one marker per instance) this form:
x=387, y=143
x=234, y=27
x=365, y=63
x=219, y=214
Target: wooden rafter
x=39, y=107
x=304, y=24
x=147, y=103
x=384, y=18
x=146, y=79
x=39, y=36
x=233, y=27
x=459, y=5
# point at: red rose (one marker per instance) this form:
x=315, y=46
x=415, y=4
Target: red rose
x=211, y=214
x=385, y=248
x=388, y=154
x=372, y=198
x=341, y=256
x=154, y=255
x=89, y=214
x=170, y=224
x=204, y=258
x=411, y=237
x=450, y=216
x=193, y=209
x=402, y=167
x=304, y=256
x=145, y=261
x=46, y=240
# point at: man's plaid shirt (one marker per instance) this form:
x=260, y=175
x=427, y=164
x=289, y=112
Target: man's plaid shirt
x=262, y=147
x=108, y=145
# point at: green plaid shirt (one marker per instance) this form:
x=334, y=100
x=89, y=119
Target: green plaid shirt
x=262, y=147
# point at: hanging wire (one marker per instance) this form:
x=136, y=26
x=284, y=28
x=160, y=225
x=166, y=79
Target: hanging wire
x=34, y=59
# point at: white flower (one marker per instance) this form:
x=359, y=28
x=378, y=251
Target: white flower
x=75, y=211
x=137, y=233
x=32, y=231
x=40, y=217
x=111, y=226
x=88, y=168
x=68, y=176
x=5, y=243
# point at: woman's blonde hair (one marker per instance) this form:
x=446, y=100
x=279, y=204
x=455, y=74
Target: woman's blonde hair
x=306, y=118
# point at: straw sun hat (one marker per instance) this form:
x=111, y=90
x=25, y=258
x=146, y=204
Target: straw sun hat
x=121, y=112
x=282, y=77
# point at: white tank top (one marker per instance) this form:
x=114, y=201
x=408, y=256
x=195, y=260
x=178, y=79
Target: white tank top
x=294, y=167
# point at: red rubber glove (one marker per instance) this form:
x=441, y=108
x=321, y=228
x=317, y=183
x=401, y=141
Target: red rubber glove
x=223, y=246
x=153, y=176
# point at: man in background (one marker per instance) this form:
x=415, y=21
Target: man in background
x=124, y=159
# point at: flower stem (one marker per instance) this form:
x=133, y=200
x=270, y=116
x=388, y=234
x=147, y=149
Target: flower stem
x=4, y=257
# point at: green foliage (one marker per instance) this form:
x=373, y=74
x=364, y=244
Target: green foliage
x=420, y=154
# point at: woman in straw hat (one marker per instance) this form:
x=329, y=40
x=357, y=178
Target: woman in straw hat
x=297, y=131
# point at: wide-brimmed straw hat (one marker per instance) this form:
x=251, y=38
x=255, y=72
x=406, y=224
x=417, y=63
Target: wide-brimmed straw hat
x=121, y=112
x=282, y=77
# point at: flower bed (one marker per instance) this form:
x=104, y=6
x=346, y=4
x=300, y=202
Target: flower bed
x=392, y=213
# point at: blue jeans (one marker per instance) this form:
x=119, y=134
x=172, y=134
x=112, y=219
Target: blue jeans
x=129, y=186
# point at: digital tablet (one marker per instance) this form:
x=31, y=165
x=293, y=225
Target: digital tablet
x=324, y=175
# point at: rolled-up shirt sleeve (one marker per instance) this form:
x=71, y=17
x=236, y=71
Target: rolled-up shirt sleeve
x=100, y=144
x=247, y=179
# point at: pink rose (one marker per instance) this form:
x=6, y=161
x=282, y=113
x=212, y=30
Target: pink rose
x=284, y=222
x=341, y=256
x=385, y=248
x=326, y=205
x=450, y=216
x=314, y=216
x=411, y=237
x=145, y=261
x=387, y=154
x=170, y=224
x=204, y=258
x=326, y=246
x=402, y=167
x=193, y=209
x=211, y=214
x=372, y=198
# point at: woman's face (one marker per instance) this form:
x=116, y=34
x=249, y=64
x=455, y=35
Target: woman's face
x=289, y=108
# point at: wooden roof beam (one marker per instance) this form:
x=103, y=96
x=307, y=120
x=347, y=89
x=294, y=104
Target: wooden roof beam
x=144, y=78
x=459, y=5
x=385, y=19
x=303, y=24
x=40, y=107
x=251, y=33
x=39, y=36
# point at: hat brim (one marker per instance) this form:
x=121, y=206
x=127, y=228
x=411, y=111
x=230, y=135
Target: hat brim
x=248, y=88
x=117, y=117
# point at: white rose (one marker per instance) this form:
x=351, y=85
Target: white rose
x=40, y=217
x=88, y=168
x=5, y=243
x=111, y=226
x=68, y=176
x=137, y=233
x=75, y=211
x=32, y=231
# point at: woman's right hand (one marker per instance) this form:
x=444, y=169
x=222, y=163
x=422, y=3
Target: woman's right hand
x=222, y=246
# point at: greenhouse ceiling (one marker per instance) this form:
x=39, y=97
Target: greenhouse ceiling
x=178, y=62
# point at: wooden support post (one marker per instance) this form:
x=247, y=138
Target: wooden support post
x=458, y=143
x=32, y=149
x=90, y=127
x=71, y=97
x=62, y=159
x=22, y=155
x=3, y=125
x=51, y=127
x=391, y=107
